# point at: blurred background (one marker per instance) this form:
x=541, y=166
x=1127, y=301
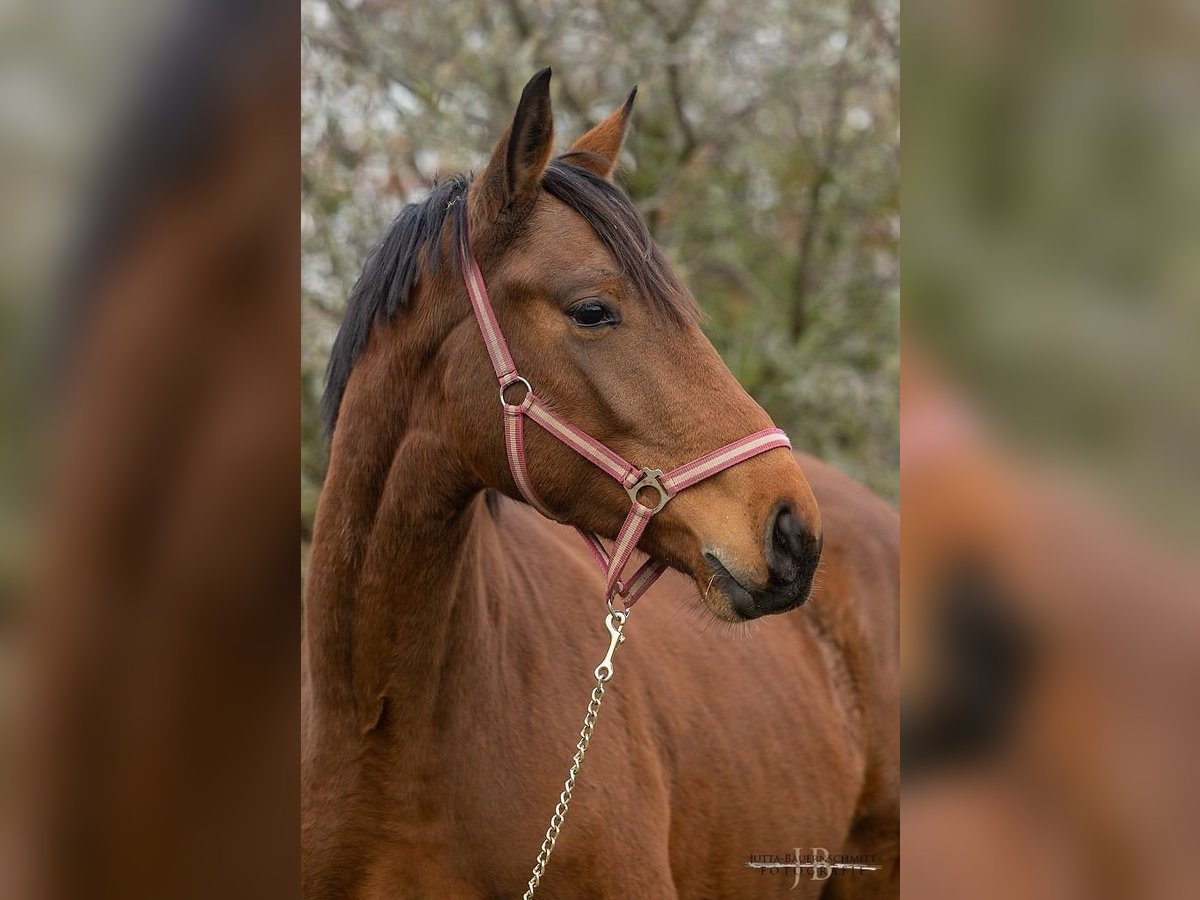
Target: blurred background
x=764, y=154
x=149, y=270
x=64, y=68
x=1050, y=622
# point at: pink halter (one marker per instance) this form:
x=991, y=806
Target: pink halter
x=633, y=479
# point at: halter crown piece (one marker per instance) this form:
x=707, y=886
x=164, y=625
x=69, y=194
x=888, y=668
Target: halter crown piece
x=635, y=480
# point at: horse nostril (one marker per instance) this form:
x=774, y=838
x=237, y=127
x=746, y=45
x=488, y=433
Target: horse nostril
x=792, y=549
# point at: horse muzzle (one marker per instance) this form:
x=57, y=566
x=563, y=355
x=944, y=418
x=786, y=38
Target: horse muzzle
x=792, y=552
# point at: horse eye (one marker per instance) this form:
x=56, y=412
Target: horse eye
x=592, y=313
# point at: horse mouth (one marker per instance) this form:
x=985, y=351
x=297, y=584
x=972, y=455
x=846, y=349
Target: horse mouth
x=745, y=603
x=740, y=600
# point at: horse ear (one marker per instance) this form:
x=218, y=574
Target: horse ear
x=511, y=178
x=599, y=148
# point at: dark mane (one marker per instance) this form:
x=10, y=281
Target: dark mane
x=387, y=280
x=391, y=270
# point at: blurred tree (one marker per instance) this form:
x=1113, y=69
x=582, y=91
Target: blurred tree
x=764, y=153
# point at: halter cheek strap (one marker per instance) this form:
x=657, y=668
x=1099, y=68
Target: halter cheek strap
x=635, y=480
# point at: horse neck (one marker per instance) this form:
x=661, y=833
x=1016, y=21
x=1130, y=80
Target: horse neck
x=395, y=614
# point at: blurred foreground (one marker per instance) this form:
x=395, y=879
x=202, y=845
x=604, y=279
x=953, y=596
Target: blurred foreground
x=153, y=748
x=1050, y=444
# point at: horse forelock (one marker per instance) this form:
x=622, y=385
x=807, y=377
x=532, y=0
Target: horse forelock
x=621, y=228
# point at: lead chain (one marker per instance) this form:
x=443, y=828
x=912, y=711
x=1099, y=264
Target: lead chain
x=604, y=671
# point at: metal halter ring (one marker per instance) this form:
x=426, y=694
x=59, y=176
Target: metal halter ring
x=518, y=380
x=650, y=479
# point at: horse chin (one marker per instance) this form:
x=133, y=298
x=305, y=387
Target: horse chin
x=721, y=607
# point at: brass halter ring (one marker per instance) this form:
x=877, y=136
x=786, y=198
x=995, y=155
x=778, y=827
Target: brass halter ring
x=650, y=479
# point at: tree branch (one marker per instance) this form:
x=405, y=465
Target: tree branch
x=811, y=221
x=685, y=128
x=527, y=32
x=882, y=30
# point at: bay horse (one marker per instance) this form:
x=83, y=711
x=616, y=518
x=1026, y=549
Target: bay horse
x=450, y=631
